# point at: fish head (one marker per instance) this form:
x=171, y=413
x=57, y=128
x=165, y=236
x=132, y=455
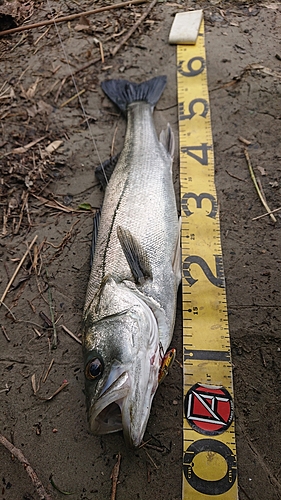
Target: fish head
x=122, y=360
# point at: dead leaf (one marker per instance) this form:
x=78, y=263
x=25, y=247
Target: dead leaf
x=13, y=203
x=53, y=146
x=32, y=89
x=44, y=108
x=25, y=148
x=83, y=25
x=28, y=182
x=6, y=91
x=262, y=170
x=39, y=108
x=35, y=387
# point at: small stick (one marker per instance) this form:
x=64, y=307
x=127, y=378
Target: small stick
x=51, y=88
x=5, y=333
x=86, y=66
x=42, y=493
x=24, y=201
x=144, y=443
x=37, y=332
x=46, y=319
x=262, y=198
x=245, y=141
x=51, y=307
x=17, y=270
x=151, y=459
x=72, y=98
x=114, y=476
x=267, y=213
x=60, y=88
x=70, y=17
x=62, y=386
x=133, y=29
x=9, y=311
x=235, y=176
x=71, y=334
x=48, y=371
x=41, y=36
x=156, y=448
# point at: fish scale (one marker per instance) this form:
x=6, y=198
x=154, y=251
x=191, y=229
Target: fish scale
x=140, y=197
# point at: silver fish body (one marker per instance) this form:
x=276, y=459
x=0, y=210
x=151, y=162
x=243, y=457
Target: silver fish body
x=130, y=304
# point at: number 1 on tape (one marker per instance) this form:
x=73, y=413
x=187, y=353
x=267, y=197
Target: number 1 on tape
x=209, y=461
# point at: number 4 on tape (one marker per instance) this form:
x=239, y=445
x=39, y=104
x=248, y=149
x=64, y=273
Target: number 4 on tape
x=209, y=461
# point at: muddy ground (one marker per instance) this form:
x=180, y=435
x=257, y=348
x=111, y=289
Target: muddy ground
x=40, y=195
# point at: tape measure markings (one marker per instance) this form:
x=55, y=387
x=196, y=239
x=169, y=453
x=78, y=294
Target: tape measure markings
x=209, y=465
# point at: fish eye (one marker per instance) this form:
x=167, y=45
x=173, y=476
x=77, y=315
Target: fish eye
x=94, y=369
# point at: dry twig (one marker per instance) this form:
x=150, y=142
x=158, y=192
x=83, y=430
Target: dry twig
x=261, y=196
x=51, y=308
x=48, y=371
x=61, y=387
x=5, y=334
x=133, y=29
x=72, y=98
x=114, y=476
x=151, y=459
x=17, y=270
x=267, y=213
x=235, y=176
x=71, y=334
x=70, y=17
x=42, y=493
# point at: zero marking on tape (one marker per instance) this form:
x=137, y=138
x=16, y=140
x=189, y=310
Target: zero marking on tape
x=209, y=461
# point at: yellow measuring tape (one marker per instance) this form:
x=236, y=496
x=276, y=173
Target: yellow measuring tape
x=209, y=461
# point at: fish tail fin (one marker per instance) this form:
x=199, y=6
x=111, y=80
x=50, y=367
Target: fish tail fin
x=123, y=92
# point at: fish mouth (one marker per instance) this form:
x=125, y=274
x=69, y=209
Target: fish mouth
x=115, y=411
x=105, y=416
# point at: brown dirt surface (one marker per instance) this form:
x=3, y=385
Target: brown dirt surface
x=40, y=194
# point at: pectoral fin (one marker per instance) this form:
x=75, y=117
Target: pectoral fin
x=136, y=256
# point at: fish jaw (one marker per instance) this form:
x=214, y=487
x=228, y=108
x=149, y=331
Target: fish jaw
x=121, y=399
x=137, y=405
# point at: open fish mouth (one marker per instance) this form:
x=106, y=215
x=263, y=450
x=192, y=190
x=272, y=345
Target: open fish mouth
x=105, y=416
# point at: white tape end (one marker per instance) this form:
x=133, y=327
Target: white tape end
x=185, y=27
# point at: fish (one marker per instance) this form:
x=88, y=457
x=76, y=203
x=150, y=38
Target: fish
x=130, y=306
